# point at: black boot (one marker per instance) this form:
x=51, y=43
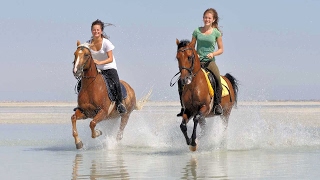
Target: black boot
x=218, y=109
x=217, y=106
x=121, y=108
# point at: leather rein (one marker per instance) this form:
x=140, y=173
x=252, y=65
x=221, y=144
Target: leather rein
x=190, y=70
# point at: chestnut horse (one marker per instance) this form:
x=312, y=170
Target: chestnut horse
x=93, y=100
x=196, y=99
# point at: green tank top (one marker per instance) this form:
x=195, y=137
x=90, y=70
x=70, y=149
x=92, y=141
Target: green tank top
x=206, y=43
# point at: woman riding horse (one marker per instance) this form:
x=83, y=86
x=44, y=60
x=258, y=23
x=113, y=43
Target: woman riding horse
x=196, y=97
x=206, y=38
x=102, y=54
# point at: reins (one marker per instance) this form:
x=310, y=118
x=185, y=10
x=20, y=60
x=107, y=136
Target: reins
x=190, y=70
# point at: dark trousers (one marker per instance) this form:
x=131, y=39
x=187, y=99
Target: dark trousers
x=113, y=75
x=212, y=66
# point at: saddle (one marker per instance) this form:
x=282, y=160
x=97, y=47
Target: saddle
x=211, y=81
x=112, y=92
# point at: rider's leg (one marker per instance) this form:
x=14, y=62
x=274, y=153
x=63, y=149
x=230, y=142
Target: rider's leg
x=218, y=92
x=113, y=74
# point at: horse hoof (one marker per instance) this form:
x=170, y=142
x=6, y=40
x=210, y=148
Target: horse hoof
x=119, y=136
x=193, y=148
x=79, y=145
x=98, y=133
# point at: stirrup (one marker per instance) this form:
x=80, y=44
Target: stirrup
x=220, y=110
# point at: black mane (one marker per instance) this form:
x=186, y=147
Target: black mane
x=183, y=43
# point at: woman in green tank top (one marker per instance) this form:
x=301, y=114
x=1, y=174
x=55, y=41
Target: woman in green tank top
x=207, y=37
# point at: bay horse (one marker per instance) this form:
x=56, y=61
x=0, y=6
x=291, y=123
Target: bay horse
x=196, y=98
x=93, y=100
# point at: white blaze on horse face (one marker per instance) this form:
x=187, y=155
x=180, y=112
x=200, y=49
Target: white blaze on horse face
x=76, y=63
x=188, y=80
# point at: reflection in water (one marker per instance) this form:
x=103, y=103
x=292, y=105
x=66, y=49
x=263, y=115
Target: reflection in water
x=102, y=166
x=190, y=171
x=206, y=166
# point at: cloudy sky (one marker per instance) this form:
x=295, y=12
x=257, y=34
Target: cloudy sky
x=271, y=47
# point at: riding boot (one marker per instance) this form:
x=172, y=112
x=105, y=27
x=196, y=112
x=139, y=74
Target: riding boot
x=180, y=88
x=120, y=107
x=217, y=105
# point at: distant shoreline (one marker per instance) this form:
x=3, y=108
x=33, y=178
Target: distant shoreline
x=152, y=103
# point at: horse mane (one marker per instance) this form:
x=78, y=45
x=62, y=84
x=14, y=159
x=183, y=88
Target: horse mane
x=183, y=43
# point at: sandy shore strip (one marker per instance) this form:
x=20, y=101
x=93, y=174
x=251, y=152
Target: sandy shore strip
x=37, y=104
x=161, y=103
x=49, y=112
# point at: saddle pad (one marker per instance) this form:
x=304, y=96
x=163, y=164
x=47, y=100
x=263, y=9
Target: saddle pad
x=225, y=87
x=112, y=93
x=211, y=91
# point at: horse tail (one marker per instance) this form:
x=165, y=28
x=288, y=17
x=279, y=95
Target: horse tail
x=234, y=82
x=143, y=101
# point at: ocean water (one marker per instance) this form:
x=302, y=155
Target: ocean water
x=268, y=140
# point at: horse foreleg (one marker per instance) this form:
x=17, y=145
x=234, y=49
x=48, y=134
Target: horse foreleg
x=196, y=120
x=99, y=117
x=77, y=115
x=123, y=123
x=183, y=127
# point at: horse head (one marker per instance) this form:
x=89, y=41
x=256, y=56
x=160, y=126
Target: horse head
x=187, y=59
x=82, y=57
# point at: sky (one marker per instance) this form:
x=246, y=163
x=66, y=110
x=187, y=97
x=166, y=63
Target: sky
x=271, y=47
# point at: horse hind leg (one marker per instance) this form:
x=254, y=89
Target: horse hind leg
x=225, y=117
x=123, y=123
x=203, y=127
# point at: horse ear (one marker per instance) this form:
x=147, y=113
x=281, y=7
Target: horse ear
x=177, y=42
x=193, y=42
x=78, y=43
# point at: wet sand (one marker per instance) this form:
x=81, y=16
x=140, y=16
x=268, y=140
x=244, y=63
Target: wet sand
x=60, y=112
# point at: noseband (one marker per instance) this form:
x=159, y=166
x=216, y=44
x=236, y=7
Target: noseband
x=190, y=70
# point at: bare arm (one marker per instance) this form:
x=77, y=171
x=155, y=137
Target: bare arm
x=220, y=48
x=106, y=61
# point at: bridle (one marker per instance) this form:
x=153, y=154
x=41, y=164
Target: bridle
x=190, y=69
x=192, y=61
x=84, y=64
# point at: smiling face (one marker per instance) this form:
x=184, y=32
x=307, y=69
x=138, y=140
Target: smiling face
x=208, y=19
x=96, y=31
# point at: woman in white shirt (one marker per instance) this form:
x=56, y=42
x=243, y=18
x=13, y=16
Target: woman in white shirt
x=101, y=51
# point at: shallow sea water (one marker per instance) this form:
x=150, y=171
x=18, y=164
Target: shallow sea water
x=262, y=141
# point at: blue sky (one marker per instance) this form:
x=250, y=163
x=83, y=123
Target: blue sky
x=271, y=47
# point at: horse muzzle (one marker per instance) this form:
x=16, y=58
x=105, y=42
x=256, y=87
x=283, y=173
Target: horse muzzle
x=77, y=73
x=186, y=80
